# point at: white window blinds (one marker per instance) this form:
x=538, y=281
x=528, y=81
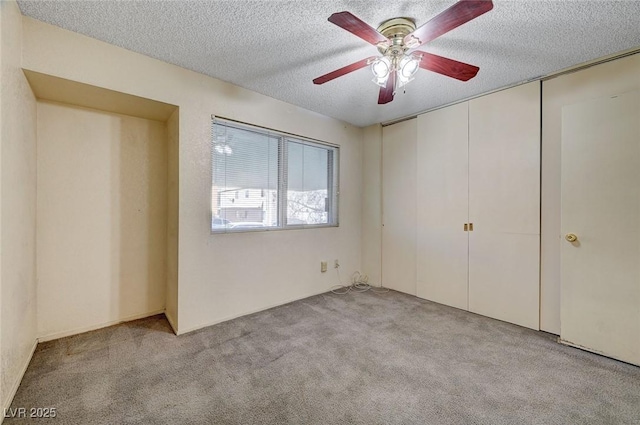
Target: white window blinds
x=264, y=180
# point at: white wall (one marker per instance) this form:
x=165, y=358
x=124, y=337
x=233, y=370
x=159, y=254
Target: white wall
x=171, y=302
x=219, y=276
x=372, y=203
x=101, y=218
x=18, y=208
x=2, y=90
x=610, y=78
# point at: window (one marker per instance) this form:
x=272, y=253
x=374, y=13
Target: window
x=288, y=181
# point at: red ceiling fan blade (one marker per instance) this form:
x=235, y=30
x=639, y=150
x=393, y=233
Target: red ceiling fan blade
x=458, y=14
x=386, y=93
x=358, y=27
x=342, y=71
x=448, y=67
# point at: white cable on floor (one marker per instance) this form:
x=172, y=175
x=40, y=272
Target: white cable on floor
x=359, y=283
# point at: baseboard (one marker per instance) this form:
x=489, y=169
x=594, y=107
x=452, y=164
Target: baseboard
x=76, y=331
x=591, y=350
x=171, y=322
x=235, y=316
x=581, y=347
x=16, y=384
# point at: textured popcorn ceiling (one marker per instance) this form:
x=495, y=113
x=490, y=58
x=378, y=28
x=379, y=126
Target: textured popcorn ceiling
x=278, y=47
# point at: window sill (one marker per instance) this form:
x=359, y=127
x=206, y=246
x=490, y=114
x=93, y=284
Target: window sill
x=272, y=229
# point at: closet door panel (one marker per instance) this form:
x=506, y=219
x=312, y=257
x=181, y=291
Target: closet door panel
x=503, y=277
x=399, y=206
x=442, y=206
x=504, y=205
x=504, y=160
x=442, y=267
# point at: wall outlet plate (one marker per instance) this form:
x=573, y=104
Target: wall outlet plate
x=336, y=264
x=323, y=266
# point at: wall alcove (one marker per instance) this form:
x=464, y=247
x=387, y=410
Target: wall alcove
x=107, y=201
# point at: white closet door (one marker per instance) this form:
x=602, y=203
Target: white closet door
x=601, y=206
x=399, y=206
x=442, y=206
x=504, y=205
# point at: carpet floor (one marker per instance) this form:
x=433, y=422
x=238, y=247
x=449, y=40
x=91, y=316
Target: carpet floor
x=361, y=358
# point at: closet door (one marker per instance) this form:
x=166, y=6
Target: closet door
x=504, y=205
x=600, y=208
x=442, y=206
x=399, y=206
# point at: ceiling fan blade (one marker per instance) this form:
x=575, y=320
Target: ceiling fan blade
x=342, y=71
x=458, y=14
x=448, y=67
x=386, y=93
x=358, y=27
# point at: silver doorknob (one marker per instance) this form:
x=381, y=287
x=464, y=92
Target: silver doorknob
x=570, y=237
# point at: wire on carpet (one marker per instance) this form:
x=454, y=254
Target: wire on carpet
x=359, y=283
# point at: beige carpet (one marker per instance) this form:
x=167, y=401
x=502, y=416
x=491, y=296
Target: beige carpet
x=362, y=358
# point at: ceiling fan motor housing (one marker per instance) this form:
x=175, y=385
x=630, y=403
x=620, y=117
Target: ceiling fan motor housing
x=395, y=30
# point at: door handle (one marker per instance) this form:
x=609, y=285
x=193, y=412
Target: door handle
x=571, y=237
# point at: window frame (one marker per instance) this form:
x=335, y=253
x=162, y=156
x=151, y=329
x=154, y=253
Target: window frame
x=333, y=177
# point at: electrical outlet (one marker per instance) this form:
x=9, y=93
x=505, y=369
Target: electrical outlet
x=336, y=264
x=323, y=266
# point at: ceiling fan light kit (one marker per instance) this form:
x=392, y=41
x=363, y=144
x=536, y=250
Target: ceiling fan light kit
x=405, y=68
x=395, y=58
x=396, y=38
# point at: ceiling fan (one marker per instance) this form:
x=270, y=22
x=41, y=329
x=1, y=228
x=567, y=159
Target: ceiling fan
x=396, y=38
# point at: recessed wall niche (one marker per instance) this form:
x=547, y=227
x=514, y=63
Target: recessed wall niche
x=107, y=191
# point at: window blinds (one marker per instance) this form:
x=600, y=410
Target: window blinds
x=265, y=180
